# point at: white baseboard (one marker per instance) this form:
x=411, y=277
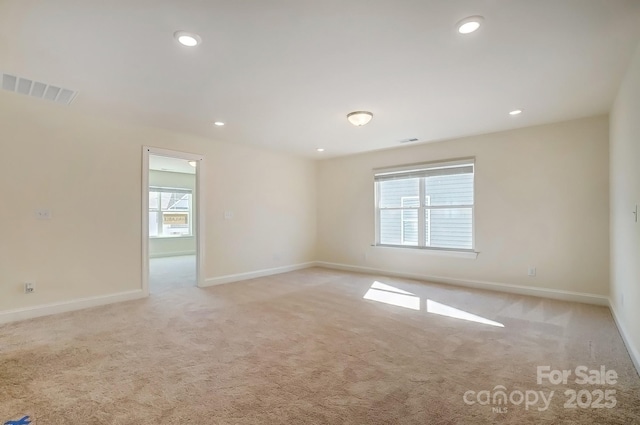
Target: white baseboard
x=478, y=284
x=212, y=281
x=66, y=306
x=171, y=254
x=632, y=349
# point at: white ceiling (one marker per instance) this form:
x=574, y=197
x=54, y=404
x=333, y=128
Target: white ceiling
x=283, y=74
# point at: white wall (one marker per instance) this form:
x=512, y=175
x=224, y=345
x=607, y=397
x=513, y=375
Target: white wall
x=88, y=171
x=625, y=195
x=541, y=199
x=166, y=247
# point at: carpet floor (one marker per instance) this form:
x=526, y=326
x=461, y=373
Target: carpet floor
x=169, y=273
x=319, y=346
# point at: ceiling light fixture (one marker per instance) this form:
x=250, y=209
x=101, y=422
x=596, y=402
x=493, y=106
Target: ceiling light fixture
x=187, y=39
x=218, y=123
x=359, y=118
x=320, y=149
x=469, y=25
x=193, y=163
x=516, y=112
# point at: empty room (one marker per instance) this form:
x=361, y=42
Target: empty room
x=319, y=212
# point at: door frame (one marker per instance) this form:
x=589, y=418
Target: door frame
x=200, y=222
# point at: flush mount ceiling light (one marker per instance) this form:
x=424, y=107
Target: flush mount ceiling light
x=515, y=112
x=187, y=39
x=359, y=118
x=320, y=149
x=218, y=123
x=469, y=25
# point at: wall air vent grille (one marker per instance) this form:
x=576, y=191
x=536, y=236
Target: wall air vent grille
x=37, y=89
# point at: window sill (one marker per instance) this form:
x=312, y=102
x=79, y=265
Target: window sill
x=470, y=254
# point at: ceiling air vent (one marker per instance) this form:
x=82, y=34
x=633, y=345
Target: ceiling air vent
x=37, y=89
x=413, y=139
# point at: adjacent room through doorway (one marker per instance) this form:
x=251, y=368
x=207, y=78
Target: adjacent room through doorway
x=172, y=225
x=167, y=273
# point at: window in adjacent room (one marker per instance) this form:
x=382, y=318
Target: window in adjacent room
x=169, y=212
x=426, y=206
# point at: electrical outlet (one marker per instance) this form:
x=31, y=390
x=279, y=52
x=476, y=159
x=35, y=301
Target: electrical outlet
x=531, y=272
x=43, y=214
x=29, y=287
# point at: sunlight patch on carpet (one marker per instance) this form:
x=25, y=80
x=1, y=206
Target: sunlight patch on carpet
x=445, y=310
x=387, y=294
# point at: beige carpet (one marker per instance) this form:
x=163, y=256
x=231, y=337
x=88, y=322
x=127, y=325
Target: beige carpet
x=169, y=273
x=307, y=348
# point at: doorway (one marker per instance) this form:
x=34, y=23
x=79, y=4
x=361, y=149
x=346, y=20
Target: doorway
x=172, y=220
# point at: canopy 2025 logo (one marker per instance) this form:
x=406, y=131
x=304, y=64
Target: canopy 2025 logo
x=500, y=399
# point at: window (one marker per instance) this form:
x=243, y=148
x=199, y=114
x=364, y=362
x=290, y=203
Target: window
x=169, y=212
x=426, y=206
x=409, y=212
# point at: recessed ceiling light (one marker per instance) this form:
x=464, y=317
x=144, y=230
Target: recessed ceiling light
x=218, y=123
x=320, y=149
x=515, y=112
x=187, y=39
x=470, y=24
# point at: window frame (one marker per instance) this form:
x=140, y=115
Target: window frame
x=425, y=207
